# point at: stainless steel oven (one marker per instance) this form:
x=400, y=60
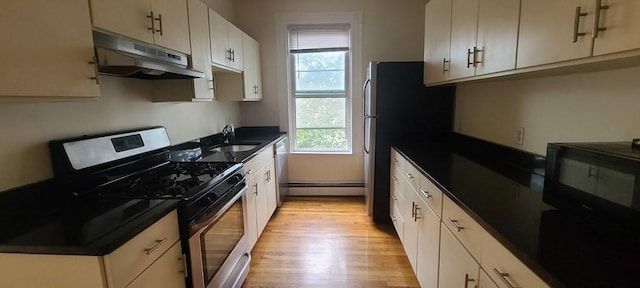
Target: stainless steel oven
x=218, y=244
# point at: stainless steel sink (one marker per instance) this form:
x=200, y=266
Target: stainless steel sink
x=234, y=147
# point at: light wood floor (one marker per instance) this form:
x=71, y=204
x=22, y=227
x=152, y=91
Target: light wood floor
x=328, y=242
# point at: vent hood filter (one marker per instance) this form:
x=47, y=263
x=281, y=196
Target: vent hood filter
x=126, y=58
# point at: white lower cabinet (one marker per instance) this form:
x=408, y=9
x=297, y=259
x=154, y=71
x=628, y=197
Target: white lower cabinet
x=153, y=258
x=162, y=273
x=452, y=251
x=504, y=268
x=262, y=195
x=457, y=267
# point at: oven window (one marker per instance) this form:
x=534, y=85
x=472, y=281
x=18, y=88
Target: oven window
x=219, y=240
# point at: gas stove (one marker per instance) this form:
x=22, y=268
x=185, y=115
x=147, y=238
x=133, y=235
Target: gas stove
x=171, y=181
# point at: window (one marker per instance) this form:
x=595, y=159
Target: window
x=319, y=59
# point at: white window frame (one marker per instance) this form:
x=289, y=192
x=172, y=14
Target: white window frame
x=283, y=21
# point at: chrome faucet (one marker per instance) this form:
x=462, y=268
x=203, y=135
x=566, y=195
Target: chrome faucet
x=228, y=133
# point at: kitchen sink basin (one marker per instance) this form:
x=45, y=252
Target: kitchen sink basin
x=234, y=147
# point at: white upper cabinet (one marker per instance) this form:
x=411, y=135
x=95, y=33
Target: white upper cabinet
x=554, y=31
x=162, y=22
x=620, y=22
x=437, y=40
x=497, y=35
x=466, y=38
x=252, y=71
x=48, y=49
x=198, y=89
x=464, y=20
x=226, y=42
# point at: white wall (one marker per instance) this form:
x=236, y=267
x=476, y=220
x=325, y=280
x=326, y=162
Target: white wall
x=26, y=128
x=599, y=106
x=391, y=31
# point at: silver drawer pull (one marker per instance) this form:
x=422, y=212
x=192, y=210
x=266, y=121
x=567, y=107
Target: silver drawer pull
x=155, y=246
x=409, y=175
x=468, y=279
x=250, y=171
x=394, y=178
x=427, y=194
x=455, y=224
x=503, y=276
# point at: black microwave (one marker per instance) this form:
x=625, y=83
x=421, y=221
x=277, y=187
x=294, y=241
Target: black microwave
x=601, y=178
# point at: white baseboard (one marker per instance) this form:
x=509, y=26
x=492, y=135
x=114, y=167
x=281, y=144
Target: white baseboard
x=326, y=191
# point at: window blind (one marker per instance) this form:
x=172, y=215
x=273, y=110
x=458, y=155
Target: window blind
x=318, y=38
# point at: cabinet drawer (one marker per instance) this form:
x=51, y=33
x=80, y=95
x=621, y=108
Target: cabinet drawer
x=467, y=230
x=503, y=267
x=397, y=160
x=397, y=186
x=129, y=260
x=252, y=166
x=430, y=194
x=412, y=175
x=396, y=218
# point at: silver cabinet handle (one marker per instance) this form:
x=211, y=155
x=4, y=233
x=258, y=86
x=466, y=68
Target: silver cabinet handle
x=255, y=189
x=469, y=53
x=394, y=178
x=395, y=160
x=455, y=224
x=409, y=175
x=212, y=84
x=427, y=194
x=576, y=24
x=155, y=246
x=503, y=276
x=413, y=209
x=153, y=22
x=394, y=197
x=468, y=279
x=159, y=19
x=233, y=55
x=95, y=70
x=596, y=19
x=475, y=56
x=416, y=217
x=444, y=67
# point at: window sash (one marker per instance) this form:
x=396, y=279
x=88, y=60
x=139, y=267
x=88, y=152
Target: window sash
x=322, y=94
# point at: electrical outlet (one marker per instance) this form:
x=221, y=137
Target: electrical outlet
x=520, y=136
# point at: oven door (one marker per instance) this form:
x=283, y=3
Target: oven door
x=219, y=247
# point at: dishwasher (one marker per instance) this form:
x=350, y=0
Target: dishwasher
x=281, y=150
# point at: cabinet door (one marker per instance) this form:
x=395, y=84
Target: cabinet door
x=622, y=20
x=257, y=70
x=166, y=272
x=58, y=64
x=497, y=35
x=437, y=40
x=200, y=48
x=173, y=24
x=252, y=211
x=547, y=30
x=235, y=44
x=464, y=23
x=131, y=18
x=428, y=246
x=579, y=175
x=248, y=44
x=457, y=267
x=219, y=38
x=270, y=184
x=261, y=201
x=410, y=236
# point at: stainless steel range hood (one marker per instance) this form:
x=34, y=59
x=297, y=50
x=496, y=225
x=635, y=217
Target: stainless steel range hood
x=122, y=57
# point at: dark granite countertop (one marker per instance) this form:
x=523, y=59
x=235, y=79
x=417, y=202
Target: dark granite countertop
x=37, y=219
x=199, y=149
x=503, y=190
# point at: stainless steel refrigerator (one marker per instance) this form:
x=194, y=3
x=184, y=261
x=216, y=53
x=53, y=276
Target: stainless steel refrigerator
x=398, y=109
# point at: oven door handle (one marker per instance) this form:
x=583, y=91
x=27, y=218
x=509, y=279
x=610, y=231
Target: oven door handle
x=212, y=216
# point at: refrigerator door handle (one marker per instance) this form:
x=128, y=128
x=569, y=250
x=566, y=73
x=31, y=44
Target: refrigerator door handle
x=365, y=115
